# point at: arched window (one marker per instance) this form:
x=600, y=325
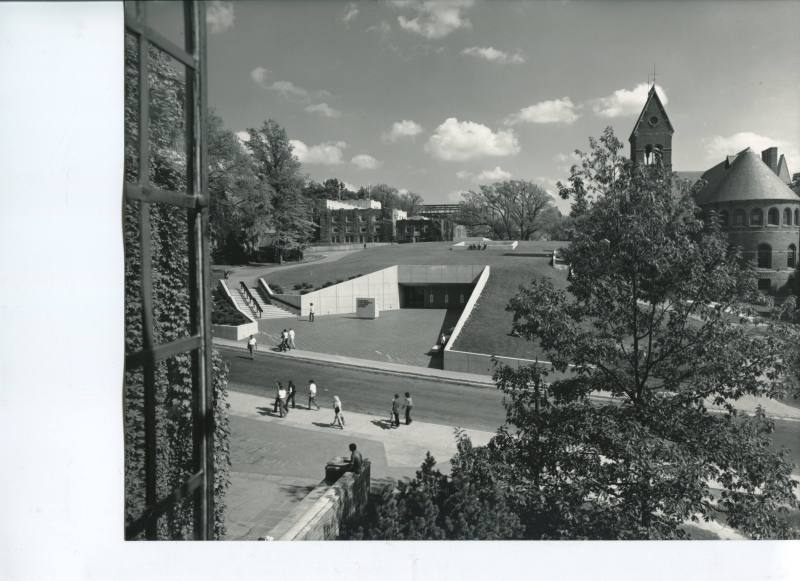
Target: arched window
x=787, y=217
x=764, y=256
x=773, y=217
x=723, y=218
x=797, y=217
x=757, y=217
x=658, y=154
x=738, y=217
x=648, y=154
x=791, y=256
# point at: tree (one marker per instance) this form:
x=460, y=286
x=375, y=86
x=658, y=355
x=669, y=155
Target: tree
x=511, y=209
x=467, y=505
x=279, y=169
x=239, y=211
x=410, y=202
x=650, y=318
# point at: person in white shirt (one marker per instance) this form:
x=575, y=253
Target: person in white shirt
x=291, y=339
x=251, y=345
x=282, y=406
x=311, y=313
x=312, y=394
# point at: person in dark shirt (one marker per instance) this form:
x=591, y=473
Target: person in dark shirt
x=356, y=459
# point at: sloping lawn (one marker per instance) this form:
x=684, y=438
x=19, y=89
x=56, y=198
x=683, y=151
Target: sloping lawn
x=489, y=326
x=372, y=259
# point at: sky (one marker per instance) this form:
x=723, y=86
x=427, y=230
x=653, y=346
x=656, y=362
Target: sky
x=438, y=97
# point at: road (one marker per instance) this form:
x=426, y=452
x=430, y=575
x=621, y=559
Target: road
x=367, y=391
x=370, y=392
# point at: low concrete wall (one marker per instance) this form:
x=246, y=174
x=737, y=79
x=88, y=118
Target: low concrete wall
x=321, y=515
x=291, y=305
x=481, y=363
x=381, y=285
x=335, y=247
x=223, y=286
x=438, y=273
x=505, y=246
x=235, y=332
x=480, y=283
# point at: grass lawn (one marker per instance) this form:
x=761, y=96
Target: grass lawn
x=372, y=259
x=489, y=326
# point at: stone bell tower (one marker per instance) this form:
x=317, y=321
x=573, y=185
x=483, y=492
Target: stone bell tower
x=651, y=138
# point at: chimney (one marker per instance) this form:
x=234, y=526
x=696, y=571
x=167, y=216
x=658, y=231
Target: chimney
x=770, y=157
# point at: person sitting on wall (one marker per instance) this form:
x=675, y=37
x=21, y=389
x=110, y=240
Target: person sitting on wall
x=356, y=459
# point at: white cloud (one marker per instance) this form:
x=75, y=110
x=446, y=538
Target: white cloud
x=718, y=147
x=243, y=136
x=364, y=161
x=350, y=12
x=324, y=110
x=383, y=28
x=259, y=75
x=487, y=176
x=551, y=188
x=624, y=102
x=402, y=191
x=288, y=89
x=566, y=161
x=456, y=140
x=555, y=111
x=328, y=153
x=491, y=54
x=219, y=16
x=351, y=187
x=434, y=18
x=400, y=129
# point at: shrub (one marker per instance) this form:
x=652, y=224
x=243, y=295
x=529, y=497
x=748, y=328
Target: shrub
x=327, y=284
x=299, y=286
x=276, y=288
x=223, y=312
x=339, y=280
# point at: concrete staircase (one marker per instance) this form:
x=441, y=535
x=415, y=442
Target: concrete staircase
x=268, y=310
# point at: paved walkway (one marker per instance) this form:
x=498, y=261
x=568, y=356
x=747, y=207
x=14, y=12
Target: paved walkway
x=277, y=461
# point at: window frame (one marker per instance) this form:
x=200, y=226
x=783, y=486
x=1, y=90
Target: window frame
x=200, y=485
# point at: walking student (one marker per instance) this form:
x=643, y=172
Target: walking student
x=291, y=339
x=408, y=405
x=251, y=345
x=284, y=341
x=311, y=313
x=278, y=388
x=292, y=391
x=312, y=394
x=395, y=419
x=338, y=418
x=282, y=407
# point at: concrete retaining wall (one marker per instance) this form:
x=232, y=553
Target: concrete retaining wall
x=480, y=363
x=341, y=298
x=335, y=247
x=438, y=274
x=480, y=283
x=223, y=286
x=321, y=514
x=235, y=332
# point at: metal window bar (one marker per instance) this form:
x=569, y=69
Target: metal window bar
x=200, y=485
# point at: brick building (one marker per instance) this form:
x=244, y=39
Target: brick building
x=356, y=221
x=748, y=193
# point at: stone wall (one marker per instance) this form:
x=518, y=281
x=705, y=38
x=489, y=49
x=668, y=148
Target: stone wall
x=321, y=515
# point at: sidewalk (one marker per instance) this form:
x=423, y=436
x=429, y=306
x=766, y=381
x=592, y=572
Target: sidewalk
x=747, y=404
x=276, y=462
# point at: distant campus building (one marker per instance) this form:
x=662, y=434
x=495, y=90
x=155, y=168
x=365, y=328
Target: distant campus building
x=363, y=221
x=749, y=193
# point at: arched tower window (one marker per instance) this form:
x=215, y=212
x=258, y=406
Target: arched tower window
x=723, y=218
x=757, y=217
x=787, y=217
x=791, y=257
x=738, y=217
x=658, y=154
x=764, y=256
x=773, y=217
x=797, y=217
x=648, y=154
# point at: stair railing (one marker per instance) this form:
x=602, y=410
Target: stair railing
x=251, y=301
